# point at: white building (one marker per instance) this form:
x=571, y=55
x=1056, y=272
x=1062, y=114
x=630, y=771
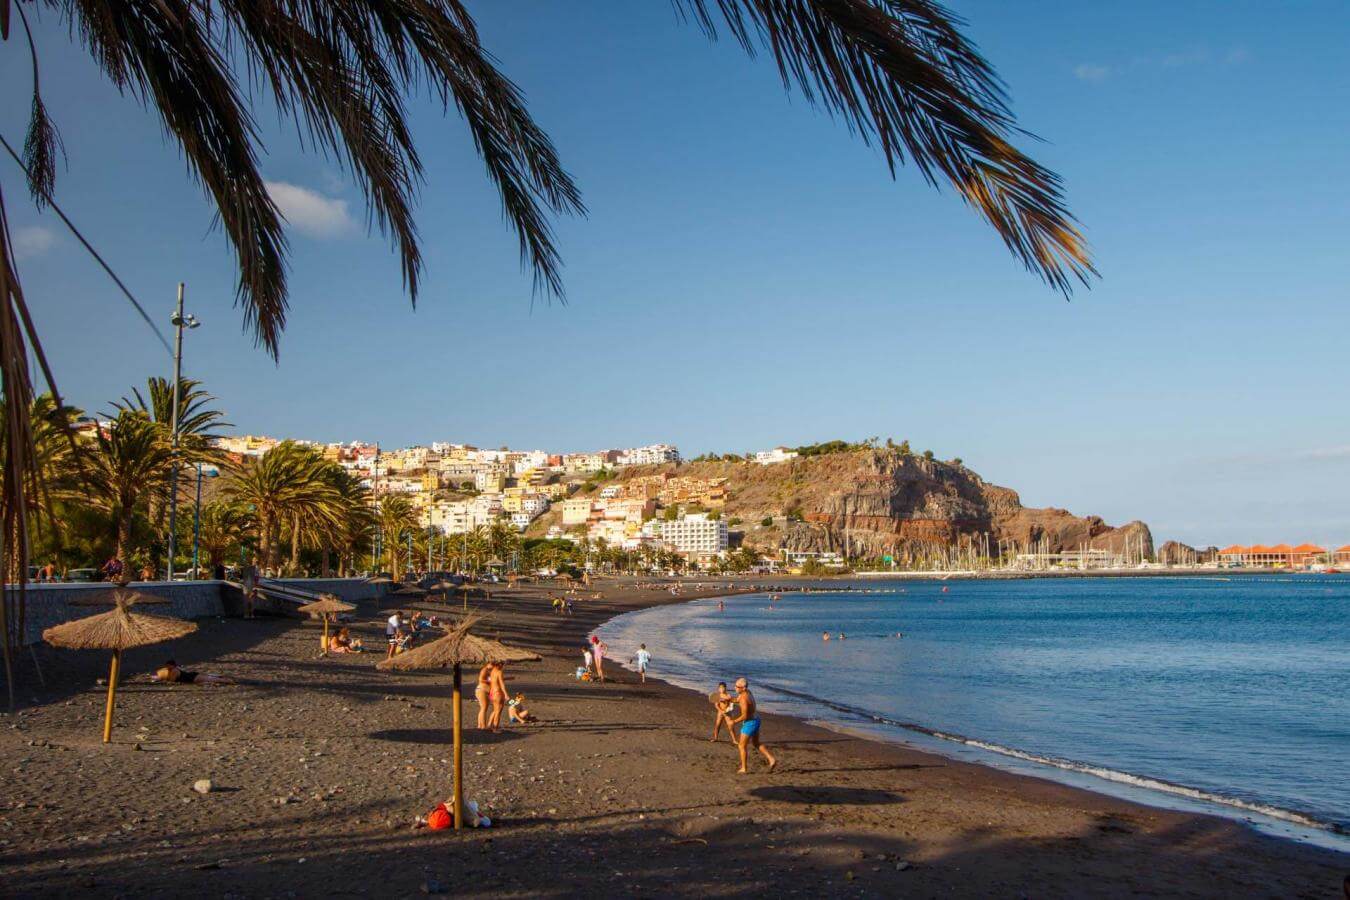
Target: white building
x=776, y=455
x=651, y=455
x=460, y=516
x=695, y=534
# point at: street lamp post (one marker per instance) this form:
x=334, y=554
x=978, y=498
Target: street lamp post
x=179, y=321
x=197, y=523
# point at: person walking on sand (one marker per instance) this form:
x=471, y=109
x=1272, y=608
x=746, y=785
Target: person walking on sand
x=747, y=723
x=482, y=692
x=722, y=701
x=598, y=650
x=643, y=658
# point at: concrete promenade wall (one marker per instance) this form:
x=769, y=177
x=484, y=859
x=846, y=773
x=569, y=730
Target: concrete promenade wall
x=50, y=604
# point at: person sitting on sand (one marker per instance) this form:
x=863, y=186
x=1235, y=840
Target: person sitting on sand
x=170, y=673
x=748, y=725
x=517, y=713
x=343, y=642
x=721, y=701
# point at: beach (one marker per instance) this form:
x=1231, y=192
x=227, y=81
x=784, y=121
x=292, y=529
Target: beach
x=319, y=768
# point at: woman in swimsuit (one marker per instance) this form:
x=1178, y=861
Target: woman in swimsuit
x=599, y=648
x=497, y=694
x=481, y=692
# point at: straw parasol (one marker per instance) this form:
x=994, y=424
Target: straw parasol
x=379, y=579
x=322, y=607
x=117, y=629
x=445, y=587
x=457, y=648
x=410, y=590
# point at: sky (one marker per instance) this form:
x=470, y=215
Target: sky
x=749, y=274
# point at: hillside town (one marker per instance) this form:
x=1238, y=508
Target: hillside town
x=457, y=488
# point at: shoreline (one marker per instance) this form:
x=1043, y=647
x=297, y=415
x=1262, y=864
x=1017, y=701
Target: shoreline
x=1279, y=822
x=321, y=765
x=1151, y=791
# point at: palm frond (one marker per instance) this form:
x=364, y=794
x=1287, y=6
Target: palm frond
x=902, y=75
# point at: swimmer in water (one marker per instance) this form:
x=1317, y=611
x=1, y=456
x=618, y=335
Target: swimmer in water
x=825, y=636
x=841, y=635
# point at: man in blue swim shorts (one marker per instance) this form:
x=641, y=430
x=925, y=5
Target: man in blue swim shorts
x=746, y=727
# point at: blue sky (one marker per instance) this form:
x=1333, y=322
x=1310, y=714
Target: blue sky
x=749, y=275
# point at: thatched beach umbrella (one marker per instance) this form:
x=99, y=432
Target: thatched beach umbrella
x=410, y=590
x=450, y=652
x=445, y=587
x=116, y=630
x=323, y=607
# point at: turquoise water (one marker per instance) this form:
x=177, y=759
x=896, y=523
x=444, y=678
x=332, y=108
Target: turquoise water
x=1232, y=693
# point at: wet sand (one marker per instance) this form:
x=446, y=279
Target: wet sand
x=320, y=767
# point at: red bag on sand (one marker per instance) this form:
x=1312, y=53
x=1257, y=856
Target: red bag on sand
x=440, y=818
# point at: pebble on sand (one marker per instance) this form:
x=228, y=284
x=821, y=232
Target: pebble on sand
x=203, y=786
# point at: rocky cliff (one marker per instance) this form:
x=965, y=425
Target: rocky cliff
x=877, y=501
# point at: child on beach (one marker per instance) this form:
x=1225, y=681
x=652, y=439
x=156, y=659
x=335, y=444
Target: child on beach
x=517, y=713
x=642, y=657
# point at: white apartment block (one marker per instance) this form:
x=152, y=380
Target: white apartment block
x=696, y=534
x=651, y=455
x=530, y=459
x=776, y=455
x=460, y=516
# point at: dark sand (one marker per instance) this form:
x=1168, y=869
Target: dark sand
x=321, y=766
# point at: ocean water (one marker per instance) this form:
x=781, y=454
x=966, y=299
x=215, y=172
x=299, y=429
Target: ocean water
x=1229, y=695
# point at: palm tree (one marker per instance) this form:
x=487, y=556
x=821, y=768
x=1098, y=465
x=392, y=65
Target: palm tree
x=277, y=488
x=196, y=420
x=396, y=517
x=350, y=533
x=223, y=528
x=197, y=424
x=129, y=461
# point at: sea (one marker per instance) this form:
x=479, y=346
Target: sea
x=1225, y=695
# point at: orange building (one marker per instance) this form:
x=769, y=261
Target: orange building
x=1279, y=555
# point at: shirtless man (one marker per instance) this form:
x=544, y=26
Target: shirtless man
x=720, y=700
x=747, y=728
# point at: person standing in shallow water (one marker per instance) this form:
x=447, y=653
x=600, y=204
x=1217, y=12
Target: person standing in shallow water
x=747, y=726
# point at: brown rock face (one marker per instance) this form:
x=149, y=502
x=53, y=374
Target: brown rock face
x=879, y=501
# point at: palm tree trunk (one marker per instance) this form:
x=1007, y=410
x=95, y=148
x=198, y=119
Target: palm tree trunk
x=295, y=546
x=123, y=532
x=327, y=563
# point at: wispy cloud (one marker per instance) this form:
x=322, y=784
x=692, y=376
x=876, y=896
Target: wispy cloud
x=1198, y=56
x=310, y=212
x=33, y=240
x=1289, y=461
x=1324, y=453
x=1091, y=72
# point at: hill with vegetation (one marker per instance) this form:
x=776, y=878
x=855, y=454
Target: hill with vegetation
x=870, y=500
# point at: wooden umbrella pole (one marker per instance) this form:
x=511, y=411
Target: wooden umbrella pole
x=112, y=696
x=325, y=634
x=459, y=753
